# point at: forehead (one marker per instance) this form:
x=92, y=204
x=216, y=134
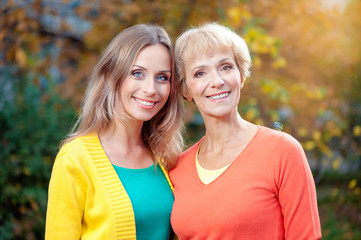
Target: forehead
x=146, y=56
x=206, y=56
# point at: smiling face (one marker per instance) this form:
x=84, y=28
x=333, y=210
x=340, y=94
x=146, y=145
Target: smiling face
x=213, y=81
x=146, y=90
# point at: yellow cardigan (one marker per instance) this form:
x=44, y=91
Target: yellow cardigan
x=86, y=197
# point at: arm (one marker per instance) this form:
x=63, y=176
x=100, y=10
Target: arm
x=296, y=192
x=66, y=199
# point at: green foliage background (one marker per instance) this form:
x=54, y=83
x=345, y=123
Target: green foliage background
x=306, y=80
x=31, y=125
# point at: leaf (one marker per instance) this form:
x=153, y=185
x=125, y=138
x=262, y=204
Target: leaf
x=336, y=163
x=317, y=136
x=251, y=114
x=302, y=132
x=352, y=183
x=235, y=15
x=356, y=131
x=309, y=145
x=20, y=57
x=280, y=62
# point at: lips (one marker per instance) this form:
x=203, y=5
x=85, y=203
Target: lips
x=219, y=96
x=144, y=102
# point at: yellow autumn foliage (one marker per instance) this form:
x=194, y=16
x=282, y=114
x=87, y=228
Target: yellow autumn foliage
x=299, y=51
x=352, y=184
x=356, y=131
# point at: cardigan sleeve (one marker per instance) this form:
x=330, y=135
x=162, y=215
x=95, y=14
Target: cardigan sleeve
x=66, y=198
x=296, y=191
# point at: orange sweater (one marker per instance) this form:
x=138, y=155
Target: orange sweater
x=268, y=192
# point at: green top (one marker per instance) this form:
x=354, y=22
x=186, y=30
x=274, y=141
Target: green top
x=151, y=198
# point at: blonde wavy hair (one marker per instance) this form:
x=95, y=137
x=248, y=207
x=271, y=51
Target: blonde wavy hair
x=102, y=102
x=206, y=37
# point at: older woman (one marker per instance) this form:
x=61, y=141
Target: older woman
x=241, y=180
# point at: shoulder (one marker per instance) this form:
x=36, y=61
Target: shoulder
x=284, y=150
x=189, y=153
x=279, y=147
x=277, y=139
x=77, y=149
x=185, y=158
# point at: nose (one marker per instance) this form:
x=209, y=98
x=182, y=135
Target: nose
x=149, y=86
x=216, y=80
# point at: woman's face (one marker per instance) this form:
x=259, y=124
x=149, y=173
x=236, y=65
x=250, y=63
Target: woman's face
x=213, y=82
x=146, y=90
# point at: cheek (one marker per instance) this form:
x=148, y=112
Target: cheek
x=197, y=88
x=186, y=87
x=168, y=91
x=164, y=91
x=236, y=82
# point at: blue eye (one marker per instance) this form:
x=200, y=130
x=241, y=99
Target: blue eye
x=163, y=78
x=137, y=74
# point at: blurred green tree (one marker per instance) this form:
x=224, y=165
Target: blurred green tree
x=31, y=125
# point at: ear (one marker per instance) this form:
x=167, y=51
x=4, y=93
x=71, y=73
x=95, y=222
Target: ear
x=185, y=93
x=243, y=80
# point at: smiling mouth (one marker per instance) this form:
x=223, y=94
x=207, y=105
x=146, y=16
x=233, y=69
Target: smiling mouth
x=144, y=102
x=219, y=96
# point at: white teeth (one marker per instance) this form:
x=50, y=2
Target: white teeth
x=145, y=103
x=215, y=97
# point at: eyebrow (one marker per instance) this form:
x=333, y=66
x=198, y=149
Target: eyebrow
x=165, y=71
x=220, y=61
x=139, y=67
x=162, y=71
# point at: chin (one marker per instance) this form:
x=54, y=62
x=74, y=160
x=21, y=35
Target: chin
x=145, y=119
x=141, y=117
x=220, y=112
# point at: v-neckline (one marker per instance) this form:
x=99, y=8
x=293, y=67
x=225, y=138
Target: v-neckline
x=194, y=167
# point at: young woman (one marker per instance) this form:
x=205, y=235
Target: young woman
x=240, y=181
x=106, y=182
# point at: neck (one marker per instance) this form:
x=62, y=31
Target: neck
x=124, y=134
x=226, y=131
x=125, y=147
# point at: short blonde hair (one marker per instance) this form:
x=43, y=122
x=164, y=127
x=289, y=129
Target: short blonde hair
x=102, y=102
x=205, y=37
